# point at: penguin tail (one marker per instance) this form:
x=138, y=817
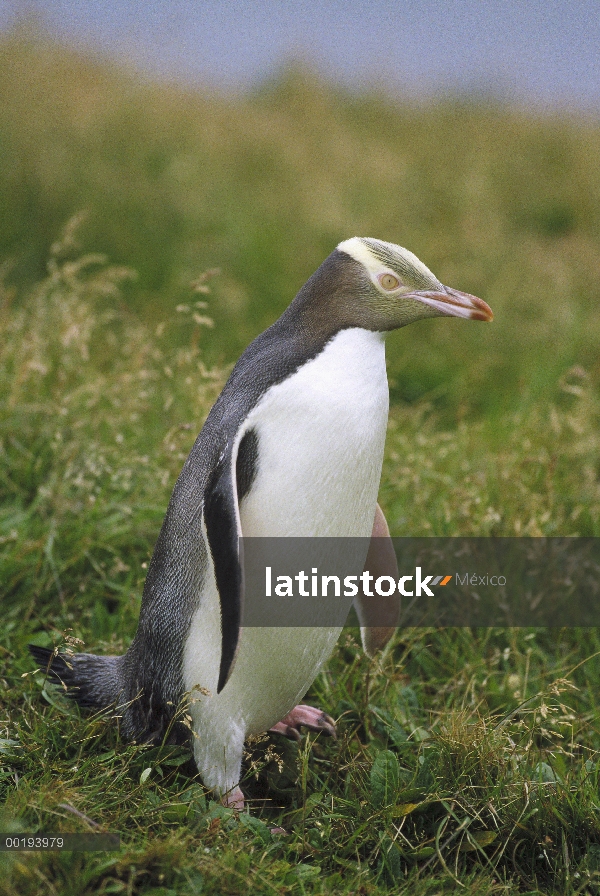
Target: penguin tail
x=94, y=682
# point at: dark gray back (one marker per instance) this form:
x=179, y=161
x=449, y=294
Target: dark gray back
x=173, y=588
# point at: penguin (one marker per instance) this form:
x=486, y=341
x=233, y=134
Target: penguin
x=292, y=447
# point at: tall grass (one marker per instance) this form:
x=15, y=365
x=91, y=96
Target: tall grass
x=264, y=186
x=466, y=760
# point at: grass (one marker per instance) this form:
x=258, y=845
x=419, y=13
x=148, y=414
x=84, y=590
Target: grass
x=467, y=760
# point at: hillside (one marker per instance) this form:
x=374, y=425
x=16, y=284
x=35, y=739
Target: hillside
x=263, y=186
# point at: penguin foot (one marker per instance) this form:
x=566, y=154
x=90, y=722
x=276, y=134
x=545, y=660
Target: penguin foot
x=234, y=799
x=304, y=716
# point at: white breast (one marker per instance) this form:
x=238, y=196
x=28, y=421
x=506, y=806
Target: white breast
x=321, y=435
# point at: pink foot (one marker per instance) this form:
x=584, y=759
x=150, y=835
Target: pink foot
x=307, y=717
x=234, y=799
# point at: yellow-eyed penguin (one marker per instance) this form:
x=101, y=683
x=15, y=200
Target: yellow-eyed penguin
x=292, y=447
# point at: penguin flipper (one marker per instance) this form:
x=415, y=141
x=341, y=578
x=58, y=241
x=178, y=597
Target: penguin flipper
x=230, y=482
x=221, y=517
x=378, y=616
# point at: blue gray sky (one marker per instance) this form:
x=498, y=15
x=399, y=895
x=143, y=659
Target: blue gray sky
x=540, y=52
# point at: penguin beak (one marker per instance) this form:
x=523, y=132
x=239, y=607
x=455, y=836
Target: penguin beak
x=452, y=303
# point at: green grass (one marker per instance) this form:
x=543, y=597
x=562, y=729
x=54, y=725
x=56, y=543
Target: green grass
x=467, y=760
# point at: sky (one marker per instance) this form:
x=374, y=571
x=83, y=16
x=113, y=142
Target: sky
x=538, y=52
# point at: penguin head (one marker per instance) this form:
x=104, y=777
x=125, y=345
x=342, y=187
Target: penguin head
x=394, y=288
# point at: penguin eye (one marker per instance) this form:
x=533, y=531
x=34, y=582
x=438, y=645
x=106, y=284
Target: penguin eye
x=388, y=281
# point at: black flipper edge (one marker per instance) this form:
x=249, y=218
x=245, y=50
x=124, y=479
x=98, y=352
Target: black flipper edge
x=222, y=520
